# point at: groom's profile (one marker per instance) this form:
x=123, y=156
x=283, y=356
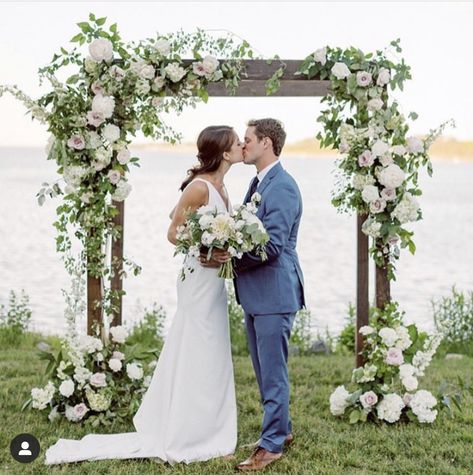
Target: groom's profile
x=271, y=291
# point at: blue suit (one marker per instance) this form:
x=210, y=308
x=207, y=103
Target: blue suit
x=271, y=292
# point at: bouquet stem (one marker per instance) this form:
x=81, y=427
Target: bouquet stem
x=226, y=270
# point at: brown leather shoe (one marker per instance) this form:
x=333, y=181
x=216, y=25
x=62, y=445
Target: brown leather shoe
x=259, y=459
x=289, y=440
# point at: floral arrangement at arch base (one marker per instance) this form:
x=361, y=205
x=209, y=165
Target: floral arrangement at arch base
x=386, y=387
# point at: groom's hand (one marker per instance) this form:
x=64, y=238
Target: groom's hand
x=219, y=256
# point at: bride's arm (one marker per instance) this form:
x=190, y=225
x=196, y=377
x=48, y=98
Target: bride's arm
x=194, y=196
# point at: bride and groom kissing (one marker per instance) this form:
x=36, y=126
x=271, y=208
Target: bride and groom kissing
x=189, y=411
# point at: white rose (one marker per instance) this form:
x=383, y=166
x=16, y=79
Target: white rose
x=368, y=399
x=114, y=176
x=95, y=118
x=103, y=105
x=388, y=194
x=340, y=70
x=392, y=176
x=101, y=49
x=370, y=193
x=375, y=104
x=115, y=365
x=406, y=370
x=377, y=206
x=118, y=355
x=123, y=156
x=163, y=47
x=147, y=71
x=363, y=78
x=379, y=148
x=384, y=76
x=320, y=56
x=67, y=388
x=111, y=133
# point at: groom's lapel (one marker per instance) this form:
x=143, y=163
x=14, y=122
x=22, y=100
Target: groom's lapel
x=269, y=176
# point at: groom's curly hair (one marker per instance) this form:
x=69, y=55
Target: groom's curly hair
x=271, y=128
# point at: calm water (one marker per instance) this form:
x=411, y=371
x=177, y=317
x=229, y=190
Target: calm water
x=28, y=258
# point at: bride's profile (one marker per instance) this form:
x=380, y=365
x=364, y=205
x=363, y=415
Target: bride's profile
x=188, y=412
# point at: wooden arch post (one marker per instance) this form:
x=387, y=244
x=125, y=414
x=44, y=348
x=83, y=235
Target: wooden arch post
x=257, y=73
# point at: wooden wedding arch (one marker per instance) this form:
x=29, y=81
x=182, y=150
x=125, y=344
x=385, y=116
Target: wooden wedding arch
x=257, y=73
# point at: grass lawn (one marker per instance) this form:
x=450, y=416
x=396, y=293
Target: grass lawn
x=323, y=445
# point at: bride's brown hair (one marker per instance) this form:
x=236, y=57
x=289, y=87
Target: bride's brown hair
x=212, y=142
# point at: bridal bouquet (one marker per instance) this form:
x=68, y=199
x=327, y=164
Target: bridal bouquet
x=238, y=232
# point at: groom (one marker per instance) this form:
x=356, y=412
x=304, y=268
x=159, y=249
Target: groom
x=271, y=291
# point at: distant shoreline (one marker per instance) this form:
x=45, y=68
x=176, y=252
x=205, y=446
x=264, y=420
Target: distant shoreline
x=445, y=149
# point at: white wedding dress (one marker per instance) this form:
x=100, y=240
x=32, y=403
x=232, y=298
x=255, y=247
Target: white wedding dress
x=189, y=410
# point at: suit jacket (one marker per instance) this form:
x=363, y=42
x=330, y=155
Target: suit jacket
x=275, y=285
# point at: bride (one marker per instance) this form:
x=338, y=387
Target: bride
x=189, y=410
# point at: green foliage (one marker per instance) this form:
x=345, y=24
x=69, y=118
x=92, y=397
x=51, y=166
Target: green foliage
x=346, y=340
x=14, y=320
x=149, y=332
x=237, y=324
x=453, y=317
x=301, y=335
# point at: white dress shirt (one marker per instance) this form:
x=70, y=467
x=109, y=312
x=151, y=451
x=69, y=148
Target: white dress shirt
x=265, y=171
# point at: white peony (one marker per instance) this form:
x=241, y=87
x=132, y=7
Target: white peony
x=111, y=133
x=370, y=193
x=115, y=364
x=104, y=105
x=174, y=72
x=98, y=380
x=392, y=176
x=320, y=56
x=118, y=333
x=340, y=70
x=379, y=148
x=210, y=64
x=410, y=383
x=101, y=49
x=390, y=407
x=388, y=335
x=338, y=401
x=67, y=388
x=134, y=371
x=366, y=330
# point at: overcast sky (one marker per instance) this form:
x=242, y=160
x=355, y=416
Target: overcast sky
x=436, y=38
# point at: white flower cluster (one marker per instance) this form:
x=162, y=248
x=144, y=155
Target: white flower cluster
x=422, y=403
x=41, y=397
x=390, y=408
x=339, y=401
x=407, y=210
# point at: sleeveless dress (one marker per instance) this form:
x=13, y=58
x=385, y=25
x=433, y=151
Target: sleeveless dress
x=189, y=411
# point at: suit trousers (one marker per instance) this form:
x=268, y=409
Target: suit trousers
x=268, y=341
